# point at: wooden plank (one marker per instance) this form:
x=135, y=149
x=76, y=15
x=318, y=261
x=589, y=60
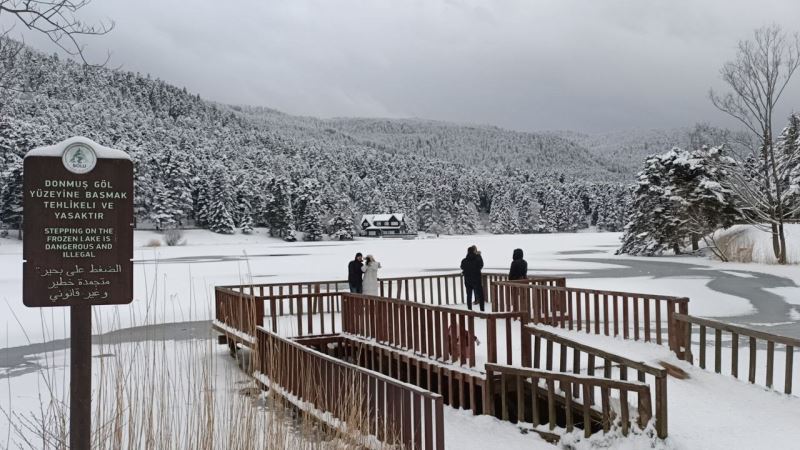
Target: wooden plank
x=439, y=424
x=770, y=362
x=616, y=315
x=488, y=394
x=661, y=407
x=428, y=413
x=658, y=320
x=429, y=349
x=417, y=412
x=470, y=340
x=503, y=395
x=509, y=342
x=596, y=296
x=568, y=407
x=587, y=417
x=491, y=337
x=702, y=345
x=625, y=322
x=788, y=375
x=520, y=399
x=606, y=408
x=646, y=319
x=625, y=417
x=537, y=420
x=551, y=404
x=752, y=371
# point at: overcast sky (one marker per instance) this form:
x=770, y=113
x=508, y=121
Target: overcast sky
x=591, y=65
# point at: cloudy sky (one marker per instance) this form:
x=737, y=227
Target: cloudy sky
x=590, y=65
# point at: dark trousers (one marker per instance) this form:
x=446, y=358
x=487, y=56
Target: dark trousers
x=478, y=290
x=356, y=288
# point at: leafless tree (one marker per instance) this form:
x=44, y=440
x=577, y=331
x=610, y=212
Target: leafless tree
x=56, y=19
x=757, y=78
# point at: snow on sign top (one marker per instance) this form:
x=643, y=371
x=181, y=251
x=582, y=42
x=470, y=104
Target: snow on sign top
x=59, y=149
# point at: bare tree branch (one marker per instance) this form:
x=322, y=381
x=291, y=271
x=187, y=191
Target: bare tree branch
x=757, y=78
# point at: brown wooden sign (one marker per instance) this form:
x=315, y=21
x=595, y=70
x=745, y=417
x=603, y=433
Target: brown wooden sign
x=78, y=225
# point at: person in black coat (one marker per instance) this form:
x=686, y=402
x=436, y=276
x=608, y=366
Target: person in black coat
x=519, y=267
x=354, y=274
x=471, y=268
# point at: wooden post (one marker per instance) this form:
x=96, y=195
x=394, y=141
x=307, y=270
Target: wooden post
x=80, y=383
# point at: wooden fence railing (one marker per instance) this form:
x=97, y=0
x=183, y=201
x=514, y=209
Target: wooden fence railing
x=506, y=298
x=439, y=332
x=524, y=388
x=610, y=313
x=459, y=387
x=438, y=289
x=578, y=358
x=358, y=399
x=238, y=311
x=753, y=337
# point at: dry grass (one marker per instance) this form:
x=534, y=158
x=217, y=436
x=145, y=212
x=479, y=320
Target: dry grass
x=157, y=393
x=153, y=243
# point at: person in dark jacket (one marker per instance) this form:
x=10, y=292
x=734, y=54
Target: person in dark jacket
x=519, y=267
x=354, y=274
x=471, y=267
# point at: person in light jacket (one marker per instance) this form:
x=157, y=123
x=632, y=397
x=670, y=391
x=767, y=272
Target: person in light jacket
x=519, y=267
x=471, y=267
x=370, y=270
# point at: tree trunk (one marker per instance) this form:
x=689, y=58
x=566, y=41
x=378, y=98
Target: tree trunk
x=776, y=244
x=676, y=248
x=695, y=242
x=782, y=239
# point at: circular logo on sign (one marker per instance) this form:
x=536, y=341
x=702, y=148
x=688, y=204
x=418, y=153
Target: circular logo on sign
x=79, y=158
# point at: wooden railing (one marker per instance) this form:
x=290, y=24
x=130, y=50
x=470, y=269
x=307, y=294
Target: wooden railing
x=536, y=398
x=439, y=289
x=753, y=337
x=504, y=298
x=357, y=399
x=459, y=387
x=238, y=311
x=610, y=313
x=439, y=332
x=578, y=358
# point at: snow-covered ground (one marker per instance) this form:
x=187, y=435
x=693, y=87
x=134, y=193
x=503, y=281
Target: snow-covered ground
x=174, y=284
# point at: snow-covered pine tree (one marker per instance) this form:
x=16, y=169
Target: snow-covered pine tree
x=503, y=217
x=788, y=163
x=425, y=214
x=243, y=214
x=701, y=202
x=11, y=193
x=312, y=221
x=653, y=224
x=466, y=218
x=279, y=210
x=221, y=204
x=341, y=228
x=679, y=198
x=529, y=210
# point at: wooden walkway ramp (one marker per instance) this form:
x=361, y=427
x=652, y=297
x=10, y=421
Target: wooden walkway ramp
x=545, y=356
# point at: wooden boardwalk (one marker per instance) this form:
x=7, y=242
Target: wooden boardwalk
x=507, y=362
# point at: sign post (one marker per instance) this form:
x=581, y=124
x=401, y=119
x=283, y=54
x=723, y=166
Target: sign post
x=78, y=248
